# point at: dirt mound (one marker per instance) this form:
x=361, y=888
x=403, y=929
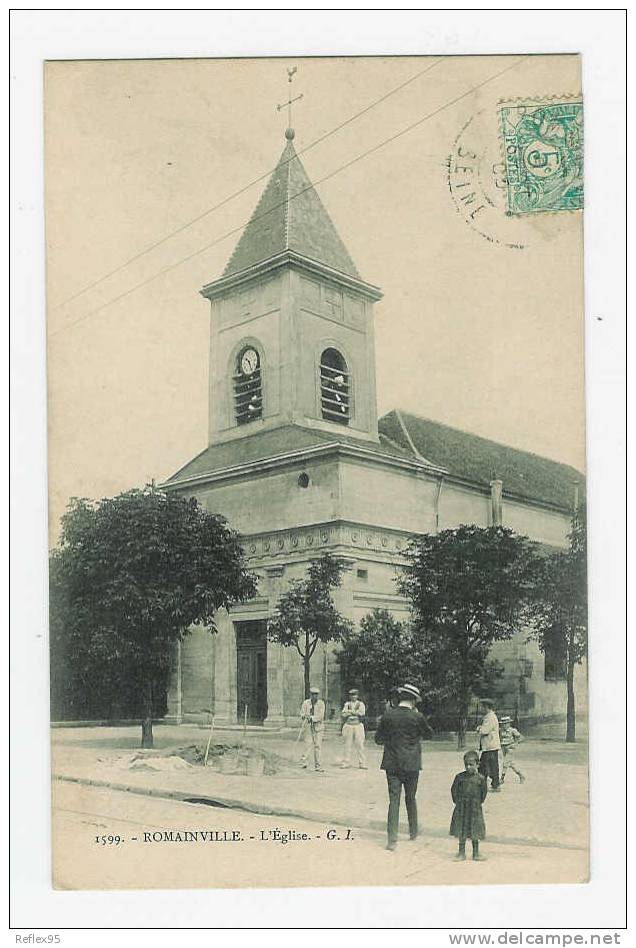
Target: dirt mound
x=234, y=758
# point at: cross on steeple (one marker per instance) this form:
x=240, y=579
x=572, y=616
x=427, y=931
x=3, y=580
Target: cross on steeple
x=289, y=134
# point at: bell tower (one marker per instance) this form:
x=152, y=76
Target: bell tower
x=291, y=337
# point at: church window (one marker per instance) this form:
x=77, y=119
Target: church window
x=555, y=658
x=248, y=388
x=303, y=479
x=334, y=387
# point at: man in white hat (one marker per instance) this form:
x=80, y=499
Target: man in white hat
x=400, y=731
x=312, y=714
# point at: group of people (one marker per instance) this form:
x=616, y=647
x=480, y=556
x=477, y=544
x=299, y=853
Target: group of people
x=400, y=731
x=312, y=714
x=497, y=735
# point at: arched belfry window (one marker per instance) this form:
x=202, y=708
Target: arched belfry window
x=248, y=386
x=335, y=396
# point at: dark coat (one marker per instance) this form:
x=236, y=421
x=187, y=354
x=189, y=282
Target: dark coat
x=401, y=730
x=468, y=793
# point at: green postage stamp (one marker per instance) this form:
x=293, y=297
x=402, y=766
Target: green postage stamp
x=543, y=147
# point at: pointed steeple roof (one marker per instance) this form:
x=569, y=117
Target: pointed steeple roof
x=290, y=216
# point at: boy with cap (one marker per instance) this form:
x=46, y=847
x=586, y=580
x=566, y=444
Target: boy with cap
x=353, y=730
x=400, y=731
x=509, y=737
x=312, y=714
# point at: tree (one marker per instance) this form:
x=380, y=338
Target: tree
x=469, y=587
x=560, y=623
x=88, y=683
x=306, y=614
x=385, y=652
x=380, y=655
x=132, y=574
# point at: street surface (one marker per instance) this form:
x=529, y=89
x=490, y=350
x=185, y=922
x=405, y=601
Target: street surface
x=81, y=814
x=537, y=831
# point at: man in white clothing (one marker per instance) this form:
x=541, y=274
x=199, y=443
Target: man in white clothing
x=489, y=745
x=352, y=714
x=312, y=713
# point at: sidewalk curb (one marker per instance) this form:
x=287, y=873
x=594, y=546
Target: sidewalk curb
x=263, y=809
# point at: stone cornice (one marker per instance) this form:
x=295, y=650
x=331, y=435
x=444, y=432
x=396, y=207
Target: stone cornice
x=282, y=460
x=355, y=451
x=299, y=262
x=371, y=600
x=359, y=540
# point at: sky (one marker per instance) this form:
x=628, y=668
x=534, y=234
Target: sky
x=481, y=324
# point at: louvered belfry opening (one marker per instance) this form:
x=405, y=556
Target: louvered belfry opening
x=334, y=387
x=248, y=387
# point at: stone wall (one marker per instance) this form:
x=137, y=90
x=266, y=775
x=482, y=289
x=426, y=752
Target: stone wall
x=364, y=510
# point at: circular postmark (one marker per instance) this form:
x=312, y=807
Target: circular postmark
x=477, y=181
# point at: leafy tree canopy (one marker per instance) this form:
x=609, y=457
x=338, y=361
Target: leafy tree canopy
x=380, y=655
x=137, y=570
x=560, y=608
x=469, y=587
x=561, y=602
x=385, y=653
x=306, y=613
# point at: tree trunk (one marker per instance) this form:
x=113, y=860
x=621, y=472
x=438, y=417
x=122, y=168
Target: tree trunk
x=570, y=727
x=306, y=662
x=462, y=712
x=146, y=724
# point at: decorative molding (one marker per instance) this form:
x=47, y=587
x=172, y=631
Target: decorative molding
x=332, y=303
x=361, y=452
x=258, y=605
x=250, y=301
x=353, y=536
x=242, y=320
x=357, y=452
x=370, y=600
x=298, y=261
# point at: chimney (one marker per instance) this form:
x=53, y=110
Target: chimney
x=496, y=490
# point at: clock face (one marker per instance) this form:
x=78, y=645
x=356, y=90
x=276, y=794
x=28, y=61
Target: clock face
x=249, y=361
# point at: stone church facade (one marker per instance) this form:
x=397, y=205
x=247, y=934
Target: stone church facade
x=299, y=463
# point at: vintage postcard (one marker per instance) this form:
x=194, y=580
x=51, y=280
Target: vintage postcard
x=317, y=471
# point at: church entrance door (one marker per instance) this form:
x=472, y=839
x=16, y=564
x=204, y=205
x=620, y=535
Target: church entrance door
x=251, y=671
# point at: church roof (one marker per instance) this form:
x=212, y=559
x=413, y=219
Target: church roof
x=480, y=460
x=290, y=216
x=407, y=437
x=277, y=442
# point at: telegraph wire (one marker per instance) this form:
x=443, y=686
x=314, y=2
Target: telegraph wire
x=326, y=177
x=251, y=184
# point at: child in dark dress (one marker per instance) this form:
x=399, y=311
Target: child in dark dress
x=469, y=792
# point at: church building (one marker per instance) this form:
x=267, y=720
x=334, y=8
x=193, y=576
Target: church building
x=299, y=463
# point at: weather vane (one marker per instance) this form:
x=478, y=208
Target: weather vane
x=291, y=72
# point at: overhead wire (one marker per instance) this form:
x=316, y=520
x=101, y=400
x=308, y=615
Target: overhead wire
x=235, y=194
x=310, y=187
